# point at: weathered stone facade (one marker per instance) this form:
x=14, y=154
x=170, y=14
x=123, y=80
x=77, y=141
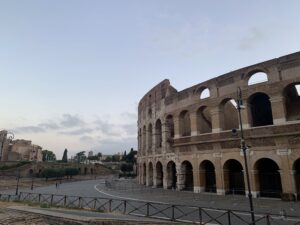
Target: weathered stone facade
x=19, y=150
x=185, y=138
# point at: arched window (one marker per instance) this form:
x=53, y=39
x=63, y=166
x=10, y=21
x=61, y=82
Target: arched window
x=150, y=137
x=230, y=118
x=185, y=124
x=261, y=110
x=158, y=134
x=258, y=77
x=205, y=93
x=187, y=176
x=234, y=177
x=204, y=123
x=292, y=101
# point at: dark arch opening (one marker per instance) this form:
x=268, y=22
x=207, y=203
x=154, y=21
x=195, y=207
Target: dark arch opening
x=185, y=124
x=159, y=175
x=172, y=175
x=269, y=180
x=144, y=138
x=150, y=138
x=234, y=177
x=208, y=176
x=292, y=101
x=187, y=176
x=158, y=133
x=297, y=177
x=85, y=170
x=230, y=114
x=261, y=110
x=170, y=128
x=144, y=174
x=150, y=174
x=204, y=123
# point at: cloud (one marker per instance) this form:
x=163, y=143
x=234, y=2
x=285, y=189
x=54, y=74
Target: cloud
x=130, y=129
x=87, y=139
x=49, y=125
x=128, y=115
x=77, y=132
x=110, y=145
x=71, y=121
x=29, y=129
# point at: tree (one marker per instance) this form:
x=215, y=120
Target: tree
x=71, y=172
x=115, y=158
x=65, y=156
x=48, y=155
x=80, y=156
x=130, y=157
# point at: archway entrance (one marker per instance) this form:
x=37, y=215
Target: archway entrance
x=261, y=110
x=144, y=175
x=208, y=176
x=172, y=175
x=159, y=175
x=187, y=176
x=150, y=174
x=269, y=181
x=234, y=177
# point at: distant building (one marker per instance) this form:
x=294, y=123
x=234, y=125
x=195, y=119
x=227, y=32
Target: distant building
x=90, y=153
x=18, y=150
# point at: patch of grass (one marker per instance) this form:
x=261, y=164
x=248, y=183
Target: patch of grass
x=44, y=205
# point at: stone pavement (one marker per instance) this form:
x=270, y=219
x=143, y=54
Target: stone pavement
x=130, y=189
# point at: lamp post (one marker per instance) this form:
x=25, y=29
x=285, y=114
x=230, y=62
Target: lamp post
x=240, y=106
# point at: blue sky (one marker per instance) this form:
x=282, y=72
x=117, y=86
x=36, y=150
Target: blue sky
x=72, y=71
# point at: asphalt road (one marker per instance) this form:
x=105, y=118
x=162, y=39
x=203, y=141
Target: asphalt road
x=161, y=200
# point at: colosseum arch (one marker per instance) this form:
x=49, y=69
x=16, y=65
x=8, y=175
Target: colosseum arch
x=204, y=93
x=186, y=175
x=229, y=111
x=267, y=178
x=260, y=109
x=144, y=138
x=291, y=94
x=171, y=175
x=204, y=122
x=184, y=124
x=233, y=177
x=150, y=137
x=257, y=77
x=150, y=174
x=170, y=129
x=208, y=176
x=159, y=174
x=144, y=174
x=296, y=168
x=158, y=134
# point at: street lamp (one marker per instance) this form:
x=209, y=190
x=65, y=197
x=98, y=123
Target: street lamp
x=240, y=106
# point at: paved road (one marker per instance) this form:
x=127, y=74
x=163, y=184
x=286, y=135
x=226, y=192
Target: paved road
x=128, y=190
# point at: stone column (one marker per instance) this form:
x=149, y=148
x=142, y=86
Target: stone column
x=196, y=178
x=154, y=176
x=246, y=115
x=147, y=174
x=165, y=177
x=278, y=109
x=164, y=132
x=193, y=118
x=254, y=182
x=217, y=119
x=180, y=178
x=220, y=181
x=176, y=127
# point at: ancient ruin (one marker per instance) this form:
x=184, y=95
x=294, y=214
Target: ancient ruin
x=190, y=139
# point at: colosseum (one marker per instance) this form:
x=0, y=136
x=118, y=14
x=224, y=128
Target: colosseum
x=191, y=139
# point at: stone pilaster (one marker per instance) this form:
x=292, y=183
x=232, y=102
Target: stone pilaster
x=193, y=118
x=278, y=110
x=217, y=119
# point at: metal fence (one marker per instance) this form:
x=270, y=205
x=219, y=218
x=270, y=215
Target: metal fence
x=178, y=213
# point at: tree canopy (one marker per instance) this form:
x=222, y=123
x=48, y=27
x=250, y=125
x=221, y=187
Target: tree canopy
x=65, y=156
x=48, y=155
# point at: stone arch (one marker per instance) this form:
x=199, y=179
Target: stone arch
x=204, y=122
x=170, y=129
x=256, y=77
x=267, y=178
x=207, y=176
x=150, y=174
x=204, y=93
x=150, y=137
x=144, y=138
x=184, y=123
x=159, y=174
x=171, y=175
x=296, y=168
x=229, y=112
x=260, y=109
x=233, y=177
x=291, y=94
x=186, y=176
x=158, y=134
x=144, y=174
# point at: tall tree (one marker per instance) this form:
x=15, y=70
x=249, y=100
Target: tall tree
x=48, y=155
x=65, y=156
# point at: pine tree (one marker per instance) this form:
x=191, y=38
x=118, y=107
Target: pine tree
x=65, y=156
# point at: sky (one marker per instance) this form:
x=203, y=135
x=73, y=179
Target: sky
x=73, y=71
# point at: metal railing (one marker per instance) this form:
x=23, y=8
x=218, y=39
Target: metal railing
x=171, y=212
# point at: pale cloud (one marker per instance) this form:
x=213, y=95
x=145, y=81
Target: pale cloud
x=69, y=120
x=29, y=129
x=77, y=132
x=253, y=37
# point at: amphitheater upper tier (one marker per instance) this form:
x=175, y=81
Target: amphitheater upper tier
x=186, y=138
